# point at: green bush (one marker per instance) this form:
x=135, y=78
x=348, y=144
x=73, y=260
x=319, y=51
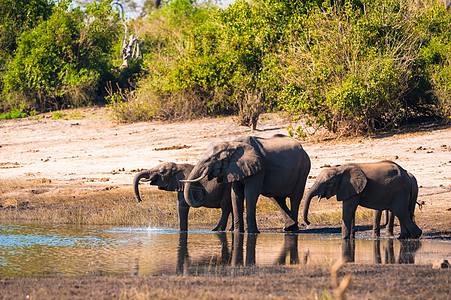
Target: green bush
x=63, y=60
x=356, y=70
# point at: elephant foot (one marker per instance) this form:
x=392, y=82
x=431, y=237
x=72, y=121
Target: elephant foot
x=218, y=228
x=417, y=235
x=403, y=236
x=253, y=231
x=292, y=228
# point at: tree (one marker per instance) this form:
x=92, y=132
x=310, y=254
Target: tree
x=63, y=60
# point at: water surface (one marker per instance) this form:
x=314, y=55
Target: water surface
x=43, y=250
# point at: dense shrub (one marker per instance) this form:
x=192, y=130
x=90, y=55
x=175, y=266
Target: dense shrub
x=17, y=16
x=63, y=60
x=358, y=70
x=351, y=66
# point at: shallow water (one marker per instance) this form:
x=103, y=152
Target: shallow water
x=43, y=250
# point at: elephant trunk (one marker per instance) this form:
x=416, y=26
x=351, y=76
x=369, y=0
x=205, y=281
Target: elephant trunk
x=194, y=193
x=136, y=179
x=308, y=197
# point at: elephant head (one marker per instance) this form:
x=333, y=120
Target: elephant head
x=227, y=162
x=343, y=181
x=166, y=176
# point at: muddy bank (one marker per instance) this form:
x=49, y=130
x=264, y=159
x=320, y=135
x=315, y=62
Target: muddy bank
x=313, y=282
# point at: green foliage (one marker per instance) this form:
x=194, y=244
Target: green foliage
x=17, y=16
x=13, y=114
x=63, y=60
x=350, y=66
x=355, y=70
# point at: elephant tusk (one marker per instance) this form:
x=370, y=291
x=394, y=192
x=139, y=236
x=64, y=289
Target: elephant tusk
x=145, y=180
x=319, y=198
x=193, y=180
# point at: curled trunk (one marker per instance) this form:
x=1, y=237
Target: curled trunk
x=308, y=197
x=136, y=179
x=194, y=194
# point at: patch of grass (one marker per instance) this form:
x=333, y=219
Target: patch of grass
x=40, y=200
x=57, y=115
x=16, y=113
x=333, y=216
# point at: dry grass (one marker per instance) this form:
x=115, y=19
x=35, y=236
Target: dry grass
x=41, y=200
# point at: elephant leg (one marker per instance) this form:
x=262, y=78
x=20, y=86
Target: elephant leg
x=252, y=189
x=377, y=222
x=238, y=206
x=290, y=224
x=348, y=217
x=408, y=228
x=183, y=209
x=295, y=202
x=390, y=224
x=251, y=208
x=222, y=225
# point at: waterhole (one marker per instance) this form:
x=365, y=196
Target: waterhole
x=30, y=250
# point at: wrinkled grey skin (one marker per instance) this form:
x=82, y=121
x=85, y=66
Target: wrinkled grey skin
x=390, y=217
x=276, y=167
x=381, y=185
x=167, y=177
x=388, y=222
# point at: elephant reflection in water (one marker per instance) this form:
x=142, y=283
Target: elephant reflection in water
x=235, y=256
x=290, y=246
x=407, y=251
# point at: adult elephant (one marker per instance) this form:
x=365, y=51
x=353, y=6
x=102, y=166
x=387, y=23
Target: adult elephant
x=390, y=217
x=275, y=167
x=167, y=177
x=381, y=185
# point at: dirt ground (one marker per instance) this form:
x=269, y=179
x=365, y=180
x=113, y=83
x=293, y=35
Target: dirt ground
x=87, y=151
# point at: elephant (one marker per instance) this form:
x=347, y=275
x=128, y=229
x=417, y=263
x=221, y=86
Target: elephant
x=380, y=185
x=167, y=177
x=275, y=167
x=390, y=217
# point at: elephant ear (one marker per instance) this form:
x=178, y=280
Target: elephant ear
x=174, y=183
x=353, y=181
x=244, y=162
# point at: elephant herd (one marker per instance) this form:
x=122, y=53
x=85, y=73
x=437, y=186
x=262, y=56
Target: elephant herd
x=232, y=175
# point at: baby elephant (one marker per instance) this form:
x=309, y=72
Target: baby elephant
x=381, y=185
x=167, y=177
